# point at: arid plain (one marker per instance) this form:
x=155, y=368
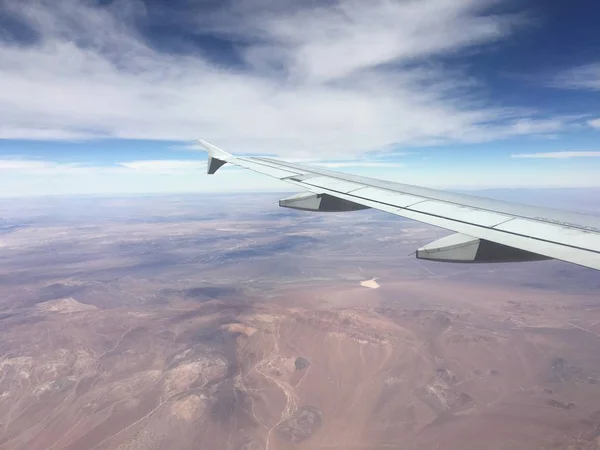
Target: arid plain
x=227, y=323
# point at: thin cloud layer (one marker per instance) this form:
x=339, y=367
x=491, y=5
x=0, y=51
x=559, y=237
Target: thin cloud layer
x=164, y=166
x=40, y=167
x=342, y=164
x=595, y=123
x=558, y=155
x=334, y=82
x=582, y=77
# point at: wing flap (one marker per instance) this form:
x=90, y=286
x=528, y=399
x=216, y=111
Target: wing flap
x=275, y=172
x=334, y=184
x=389, y=197
x=461, y=213
x=553, y=233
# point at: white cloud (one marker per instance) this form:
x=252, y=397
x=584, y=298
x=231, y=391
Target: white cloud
x=341, y=39
x=595, y=123
x=43, y=134
x=39, y=167
x=13, y=164
x=530, y=126
x=582, y=77
x=164, y=166
x=321, y=81
x=558, y=155
x=342, y=164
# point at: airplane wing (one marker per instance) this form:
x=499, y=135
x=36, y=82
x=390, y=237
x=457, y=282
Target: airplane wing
x=486, y=230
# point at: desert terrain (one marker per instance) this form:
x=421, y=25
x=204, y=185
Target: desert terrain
x=227, y=323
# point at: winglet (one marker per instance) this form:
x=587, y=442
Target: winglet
x=216, y=157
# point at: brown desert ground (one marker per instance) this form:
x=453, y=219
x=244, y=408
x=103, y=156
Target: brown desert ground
x=229, y=324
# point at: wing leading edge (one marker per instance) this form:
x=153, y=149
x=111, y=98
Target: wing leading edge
x=486, y=230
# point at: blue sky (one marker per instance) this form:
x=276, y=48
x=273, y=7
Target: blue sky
x=107, y=97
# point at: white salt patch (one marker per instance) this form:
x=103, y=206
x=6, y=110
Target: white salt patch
x=371, y=284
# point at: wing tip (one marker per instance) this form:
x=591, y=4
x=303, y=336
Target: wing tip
x=216, y=157
x=214, y=151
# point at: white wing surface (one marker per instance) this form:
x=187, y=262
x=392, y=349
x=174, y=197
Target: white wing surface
x=486, y=230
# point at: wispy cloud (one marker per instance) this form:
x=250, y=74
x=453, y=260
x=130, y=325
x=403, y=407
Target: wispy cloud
x=582, y=77
x=40, y=167
x=523, y=127
x=558, y=155
x=37, y=167
x=336, y=80
x=189, y=147
x=595, y=123
x=164, y=166
x=365, y=164
x=12, y=164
